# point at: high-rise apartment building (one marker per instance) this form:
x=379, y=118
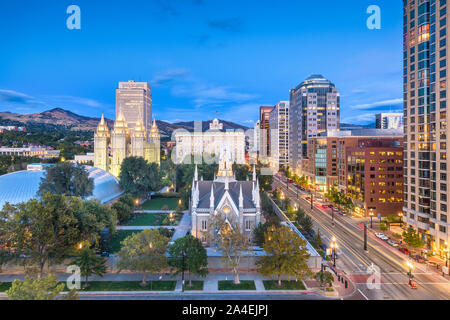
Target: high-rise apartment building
x=314, y=109
x=389, y=120
x=134, y=101
x=279, y=134
x=425, y=48
x=264, y=150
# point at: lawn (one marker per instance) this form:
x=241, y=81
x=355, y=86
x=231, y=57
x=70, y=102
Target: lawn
x=160, y=204
x=130, y=286
x=124, y=286
x=244, y=285
x=119, y=237
x=285, y=285
x=154, y=219
x=196, y=286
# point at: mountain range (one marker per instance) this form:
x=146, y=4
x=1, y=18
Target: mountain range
x=63, y=119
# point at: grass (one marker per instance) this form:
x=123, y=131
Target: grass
x=153, y=219
x=244, y=285
x=129, y=286
x=160, y=203
x=119, y=237
x=285, y=285
x=196, y=285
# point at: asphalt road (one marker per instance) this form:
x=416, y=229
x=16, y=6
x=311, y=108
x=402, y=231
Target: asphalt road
x=354, y=260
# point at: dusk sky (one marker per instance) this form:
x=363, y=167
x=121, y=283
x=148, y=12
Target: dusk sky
x=200, y=56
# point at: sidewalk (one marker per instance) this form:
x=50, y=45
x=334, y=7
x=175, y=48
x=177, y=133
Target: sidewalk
x=210, y=282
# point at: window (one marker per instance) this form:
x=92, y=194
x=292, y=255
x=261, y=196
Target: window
x=204, y=225
x=248, y=225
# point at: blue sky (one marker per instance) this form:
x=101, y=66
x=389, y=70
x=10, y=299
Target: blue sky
x=200, y=56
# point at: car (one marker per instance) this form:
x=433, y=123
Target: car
x=403, y=250
x=381, y=236
x=420, y=259
x=393, y=243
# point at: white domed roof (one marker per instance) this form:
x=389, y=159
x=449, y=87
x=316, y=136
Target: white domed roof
x=22, y=186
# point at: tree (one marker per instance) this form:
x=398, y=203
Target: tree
x=89, y=263
x=124, y=208
x=318, y=239
x=412, y=238
x=259, y=233
x=40, y=288
x=44, y=231
x=143, y=252
x=67, y=178
x=241, y=171
x=231, y=240
x=305, y=223
x=324, y=278
x=286, y=253
x=188, y=254
x=383, y=226
x=138, y=178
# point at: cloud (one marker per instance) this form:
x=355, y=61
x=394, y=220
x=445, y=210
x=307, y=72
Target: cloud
x=71, y=100
x=210, y=95
x=170, y=7
x=377, y=104
x=227, y=25
x=16, y=97
x=169, y=76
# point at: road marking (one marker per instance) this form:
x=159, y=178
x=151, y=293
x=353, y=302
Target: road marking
x=363, y=294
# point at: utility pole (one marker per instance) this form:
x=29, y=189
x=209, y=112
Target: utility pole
x=365, y=237
x=311, y=200
x=332, y=217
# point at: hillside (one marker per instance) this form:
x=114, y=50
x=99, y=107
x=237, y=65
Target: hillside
x=60, y=119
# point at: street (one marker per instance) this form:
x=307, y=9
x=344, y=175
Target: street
x=354, y=261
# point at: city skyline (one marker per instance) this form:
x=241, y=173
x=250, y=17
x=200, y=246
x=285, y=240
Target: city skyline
x=193, y=67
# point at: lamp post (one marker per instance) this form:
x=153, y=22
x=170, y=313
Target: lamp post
x=371, y=216
x=446, y=254
x=410, y=268
x=334, y=247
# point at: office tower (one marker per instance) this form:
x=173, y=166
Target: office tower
x=264, y=151
x=389, y=120
x=279, y=134
x=426, y=117
x=134, y=101
x=314, y=109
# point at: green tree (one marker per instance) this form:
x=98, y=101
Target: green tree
x=40, y=288
x=306, y=224
x=188, y=254
x=67, y=178
x=242, y=171
x=412, y=238
x=259, y=233
x=324, y=278
x=124, y=208
x=286, y=254
x=143, y=252
x=318, y=239
x=44, y=231
x=138, y=178
x=383, y=226
x=89, y=263
x=230, y=239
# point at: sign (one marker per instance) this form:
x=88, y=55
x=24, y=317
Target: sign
x=329, y=251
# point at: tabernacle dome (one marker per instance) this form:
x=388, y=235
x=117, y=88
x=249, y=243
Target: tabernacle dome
x=22, y=186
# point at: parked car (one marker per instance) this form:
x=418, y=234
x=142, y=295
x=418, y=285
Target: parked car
x=420, y=259
x=393, y=243
x=381, y=236
x=403, y=250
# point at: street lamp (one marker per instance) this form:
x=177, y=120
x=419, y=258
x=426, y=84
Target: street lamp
x=446, y=254
x=334, y=246
x=410, y=268
x=371, y=216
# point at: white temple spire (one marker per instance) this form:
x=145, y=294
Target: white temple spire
x=226, y=183
x=241, y=198
x=254, y=173
x=211, y=198
x=196, y=173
